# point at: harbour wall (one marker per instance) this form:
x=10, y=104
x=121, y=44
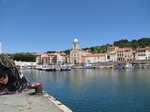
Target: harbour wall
x=141, y=62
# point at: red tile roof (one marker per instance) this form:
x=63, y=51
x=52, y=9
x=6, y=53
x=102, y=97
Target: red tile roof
x=147, y=48
x=121, y=49
x=51, y=53
x=94, y=55
x=141, y=49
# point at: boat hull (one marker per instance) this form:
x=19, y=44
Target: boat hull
x=82, y=67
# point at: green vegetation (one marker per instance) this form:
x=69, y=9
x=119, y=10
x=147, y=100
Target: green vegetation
x=51, y=52
x=67, y=51
x=141, y=43
x=98, y=49
x=28, y=57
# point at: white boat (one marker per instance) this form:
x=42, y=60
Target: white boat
x=38, y=67
x=85, y=66
x=128, y=66
x=46, y=68
x=66, y=68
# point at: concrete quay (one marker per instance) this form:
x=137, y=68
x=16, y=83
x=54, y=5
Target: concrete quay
x=29, y=102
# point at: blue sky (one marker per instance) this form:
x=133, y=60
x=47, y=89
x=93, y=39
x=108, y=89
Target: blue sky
x=51, y=25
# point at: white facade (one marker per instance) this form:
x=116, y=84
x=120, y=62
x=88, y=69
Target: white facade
x=140, y=54
x=147, y=53
x=95, y=58
x=113, y=57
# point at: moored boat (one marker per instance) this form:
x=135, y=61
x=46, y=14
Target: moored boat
x=128, y=66
x=82, y=67
x=46, y=68
x=38, y=67
x=118, y=66
x=85, y=66
x=137, y=66
x=65, y=69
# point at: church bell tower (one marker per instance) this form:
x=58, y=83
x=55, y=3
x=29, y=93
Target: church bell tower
x=75, y=44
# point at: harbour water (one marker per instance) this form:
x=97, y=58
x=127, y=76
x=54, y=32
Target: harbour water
x=97, y=90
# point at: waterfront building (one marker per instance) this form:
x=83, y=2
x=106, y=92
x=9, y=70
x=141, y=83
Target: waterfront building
x=134, y=55
x=51, y=58
x=128, y=54
x=140, y=53
x=96, y=58
x=147, y=52
x=79, y=56
x=38, y=59
x=120, y=55
x=111, y=49
x=111, y=54
x=76, y=54
x=59, y=58
x=124, y=54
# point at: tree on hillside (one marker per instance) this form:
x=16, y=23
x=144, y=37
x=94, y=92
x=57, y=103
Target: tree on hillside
x=122, y=43
x=51, y=51
x=134, y=44
x=67, y=52
x=144, y=42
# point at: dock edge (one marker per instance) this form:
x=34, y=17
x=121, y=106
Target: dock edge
x=58, y=103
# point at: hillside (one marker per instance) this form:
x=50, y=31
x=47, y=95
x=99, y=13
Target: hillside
x=141, y=43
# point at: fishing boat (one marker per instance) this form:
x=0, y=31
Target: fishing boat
x=137, y=66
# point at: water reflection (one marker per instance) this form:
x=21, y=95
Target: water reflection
x=97, y=90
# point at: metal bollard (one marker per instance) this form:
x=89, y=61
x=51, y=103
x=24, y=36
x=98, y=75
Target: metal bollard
x=37, y=86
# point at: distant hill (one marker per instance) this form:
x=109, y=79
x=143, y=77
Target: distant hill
x=141, y=43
